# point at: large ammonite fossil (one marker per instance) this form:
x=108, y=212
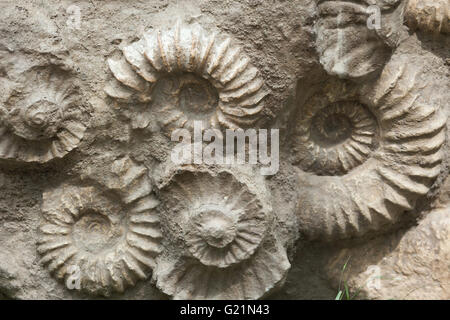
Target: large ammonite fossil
x=349, y=43
x=221, y=241
x=367, y=152
x=429, y=15
x=42, y=120
x=188, y=74
x=108, y=242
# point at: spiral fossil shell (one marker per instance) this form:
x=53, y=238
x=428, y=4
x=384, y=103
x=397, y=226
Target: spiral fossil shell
x=382, y=163
x=113, y=242
x=43, y=120
x=188, y=74
x=429, y=15
x=223, y=229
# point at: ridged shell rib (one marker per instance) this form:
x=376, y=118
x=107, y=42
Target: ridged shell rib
x=402, y=169
x=131, y=235
x=190, y=49
x=429, y=15
x=239, y=259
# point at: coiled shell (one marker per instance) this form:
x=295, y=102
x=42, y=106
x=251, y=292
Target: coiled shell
x=428, y=15
x=113, y=243
x=388, y=159
x=188, y=74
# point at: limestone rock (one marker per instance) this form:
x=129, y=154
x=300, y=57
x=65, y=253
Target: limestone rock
x=91, y=205
x=415, y=267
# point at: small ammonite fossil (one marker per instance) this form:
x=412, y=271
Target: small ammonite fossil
x=222, y=232
x=186, y=74
x=356, y=38
x=43, y=119
x=367, y=151
x=111, y=241
x=336, y=137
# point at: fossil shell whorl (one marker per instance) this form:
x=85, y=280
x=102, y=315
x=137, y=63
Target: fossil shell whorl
x=347, y=47
x=428, y=15
x=222, y=232
x=333, y=137
x=252, y=279
x=221, y=229
x=188, y=74
x=113, y=242
x=43, y=120
x=367, y=191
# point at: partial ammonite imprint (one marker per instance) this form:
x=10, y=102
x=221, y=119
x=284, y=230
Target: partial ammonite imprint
x=367, y=152
x=334, y=136
x=428, y=15
x=221, y=239
x=107, y=242
x=186, y=73
x=356, y=38
x=42, y=120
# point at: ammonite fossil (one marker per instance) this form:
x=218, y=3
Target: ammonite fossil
x=428, y=15
x=335, y=136
x=186, y=74
x=112, y=243
x=367, y=152
x=349, y=44
x=221, y=241
x=44, y=119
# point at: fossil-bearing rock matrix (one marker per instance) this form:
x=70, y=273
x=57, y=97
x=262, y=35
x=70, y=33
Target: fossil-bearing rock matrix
x=94, y=94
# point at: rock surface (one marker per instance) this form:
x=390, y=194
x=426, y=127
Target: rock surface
x=90, y=92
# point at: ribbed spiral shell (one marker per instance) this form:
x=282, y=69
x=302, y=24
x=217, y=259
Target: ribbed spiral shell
x=113, y=242
x=43, y=120
x=334, y=137
x=193, y=52
x=371, y=187
x=223, y=232
x=428, y=15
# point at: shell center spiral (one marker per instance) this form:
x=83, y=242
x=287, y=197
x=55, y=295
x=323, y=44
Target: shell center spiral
x=216, y=228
